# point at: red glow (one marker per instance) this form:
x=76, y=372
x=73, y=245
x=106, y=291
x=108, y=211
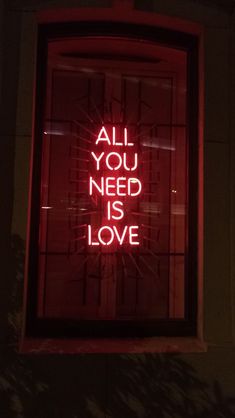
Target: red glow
x=126, y=143
x=100, y=187
x=133, y=234
x=105, y=228
x=113, y=207
x=114, y=138
x=97, y=159
x=120, y=237
x=103, y=137
x=135, y=162
x=122, y=161
x=114, y=186
x=108, y=235
x=132, y=181
x=89, y=237
x=130, y=144
x=119, y=160
x=121, y=186
x=109, y=186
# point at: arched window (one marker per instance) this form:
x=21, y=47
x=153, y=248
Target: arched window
x=113, y=235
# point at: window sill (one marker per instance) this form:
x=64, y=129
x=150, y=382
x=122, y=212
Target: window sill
x=83, y=346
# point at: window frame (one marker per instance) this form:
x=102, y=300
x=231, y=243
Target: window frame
x=38, y=327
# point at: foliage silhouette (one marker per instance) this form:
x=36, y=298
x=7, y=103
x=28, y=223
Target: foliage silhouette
x=99, y=386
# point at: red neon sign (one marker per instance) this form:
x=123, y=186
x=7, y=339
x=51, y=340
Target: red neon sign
x=114, y=187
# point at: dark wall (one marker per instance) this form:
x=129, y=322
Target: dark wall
x=103, y=385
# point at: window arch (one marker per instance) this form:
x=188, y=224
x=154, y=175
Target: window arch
x=138, y=84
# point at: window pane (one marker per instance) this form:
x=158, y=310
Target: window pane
x=114, y=181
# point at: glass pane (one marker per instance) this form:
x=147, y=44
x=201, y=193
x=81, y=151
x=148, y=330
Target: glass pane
x=114, y=181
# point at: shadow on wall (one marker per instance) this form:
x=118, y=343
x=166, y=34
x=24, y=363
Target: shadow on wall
x=100, y=386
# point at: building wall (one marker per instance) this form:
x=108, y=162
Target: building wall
x=121, y=385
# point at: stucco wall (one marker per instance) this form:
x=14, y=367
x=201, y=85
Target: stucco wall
x=105, y=385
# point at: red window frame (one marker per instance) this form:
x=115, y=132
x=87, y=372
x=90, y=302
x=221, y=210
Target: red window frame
x=137, y=328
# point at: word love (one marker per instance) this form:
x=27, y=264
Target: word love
x=107, y=234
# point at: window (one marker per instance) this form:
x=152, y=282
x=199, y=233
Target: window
x=113, y=241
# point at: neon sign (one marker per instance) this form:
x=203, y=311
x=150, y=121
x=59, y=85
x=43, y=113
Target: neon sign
x=114, y=187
